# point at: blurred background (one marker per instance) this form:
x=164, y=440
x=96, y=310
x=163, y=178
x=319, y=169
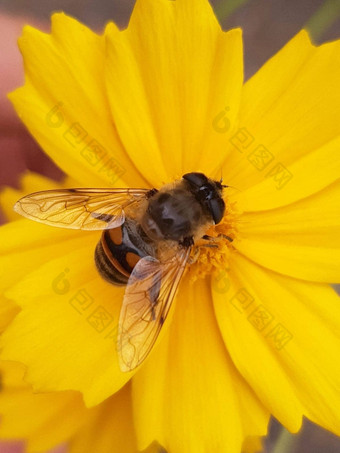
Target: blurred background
x=267, y=26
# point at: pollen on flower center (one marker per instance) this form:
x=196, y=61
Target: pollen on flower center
x=212, y=255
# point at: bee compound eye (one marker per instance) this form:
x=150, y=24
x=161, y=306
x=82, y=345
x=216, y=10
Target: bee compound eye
x=195, y=178
x=217, y=208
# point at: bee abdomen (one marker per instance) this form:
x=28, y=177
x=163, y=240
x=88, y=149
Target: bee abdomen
x=118, y=251
x=106, y=269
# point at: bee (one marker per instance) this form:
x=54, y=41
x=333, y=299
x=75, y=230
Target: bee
x=147, y=238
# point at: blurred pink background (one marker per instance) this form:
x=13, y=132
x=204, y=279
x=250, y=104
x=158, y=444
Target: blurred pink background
x=17, y=447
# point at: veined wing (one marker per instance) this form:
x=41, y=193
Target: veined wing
x=146, y=304
x=84, y=209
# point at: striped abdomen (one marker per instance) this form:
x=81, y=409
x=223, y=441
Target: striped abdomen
x=119, y=250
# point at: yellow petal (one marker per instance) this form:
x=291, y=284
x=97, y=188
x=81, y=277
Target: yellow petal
x=252, y=445
x=284, y=337
x=279, y=190
x=44, y=420
x=8, y=311
x=64, y=104
x=281, y=124
x=168, y=75
x=188, y=395
x=26, y=242
x=26, y=245
x=108, y=428
x=66, y=331
x=49, y=419
x=301, y=240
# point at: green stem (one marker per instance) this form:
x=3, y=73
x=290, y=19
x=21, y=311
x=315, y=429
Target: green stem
x=224, y=8
x=286, y=442
x=323, y=19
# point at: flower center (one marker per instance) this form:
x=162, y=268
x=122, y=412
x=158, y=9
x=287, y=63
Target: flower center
x=213, y=254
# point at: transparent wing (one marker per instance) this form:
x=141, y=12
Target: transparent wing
x=146, y=304
x=84, y=209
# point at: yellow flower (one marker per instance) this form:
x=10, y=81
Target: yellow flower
x=259, y=333
x=44, y=420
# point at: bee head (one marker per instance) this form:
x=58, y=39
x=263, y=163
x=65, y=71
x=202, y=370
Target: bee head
x=208, y=193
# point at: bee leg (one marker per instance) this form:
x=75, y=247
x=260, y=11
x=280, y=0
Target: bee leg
x=210, y=238
x=197, y=252
x=194, y=258
x=228, y=238
x=187, y=242
x=151, y=193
